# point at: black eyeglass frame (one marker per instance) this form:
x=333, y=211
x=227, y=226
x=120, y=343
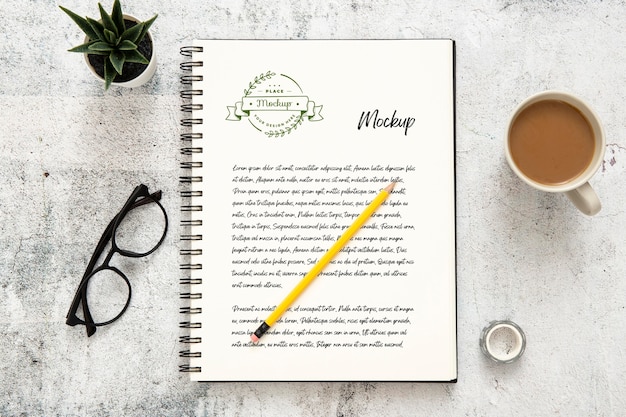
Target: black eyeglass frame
x=138, y=197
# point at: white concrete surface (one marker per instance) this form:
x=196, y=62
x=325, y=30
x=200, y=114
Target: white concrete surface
x=71, y=153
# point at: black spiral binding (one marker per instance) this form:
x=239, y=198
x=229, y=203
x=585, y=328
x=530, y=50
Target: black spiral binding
x=189, y=147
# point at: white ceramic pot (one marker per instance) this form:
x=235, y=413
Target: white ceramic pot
x=142, y=78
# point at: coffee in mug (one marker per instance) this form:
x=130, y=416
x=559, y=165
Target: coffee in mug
x=555, y=143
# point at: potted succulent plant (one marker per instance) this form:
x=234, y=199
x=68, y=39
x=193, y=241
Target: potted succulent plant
x=118, y=48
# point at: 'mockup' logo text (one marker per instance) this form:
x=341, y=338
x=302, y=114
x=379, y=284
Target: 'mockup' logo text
x=371, y=119
x=275, y=105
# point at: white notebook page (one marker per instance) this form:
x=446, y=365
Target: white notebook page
x=298, y=137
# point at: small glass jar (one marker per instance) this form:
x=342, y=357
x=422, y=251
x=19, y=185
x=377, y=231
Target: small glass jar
x=503, y=341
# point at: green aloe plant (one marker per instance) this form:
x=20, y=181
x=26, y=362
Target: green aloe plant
x=111, y=38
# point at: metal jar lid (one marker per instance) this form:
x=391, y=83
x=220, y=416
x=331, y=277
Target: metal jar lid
x=503, y=341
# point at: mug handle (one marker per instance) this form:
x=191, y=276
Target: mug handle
x=585, y=199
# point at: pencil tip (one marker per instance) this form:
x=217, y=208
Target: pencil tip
x=390, y=187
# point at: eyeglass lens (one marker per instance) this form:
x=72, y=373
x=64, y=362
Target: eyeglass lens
x=108, y=294
x=141, y=230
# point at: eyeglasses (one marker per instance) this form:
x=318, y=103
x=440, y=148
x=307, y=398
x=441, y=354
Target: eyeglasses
x=136, y=231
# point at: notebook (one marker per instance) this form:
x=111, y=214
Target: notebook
x=286, y=141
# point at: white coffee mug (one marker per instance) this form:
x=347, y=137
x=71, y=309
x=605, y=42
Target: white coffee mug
x=577, y=189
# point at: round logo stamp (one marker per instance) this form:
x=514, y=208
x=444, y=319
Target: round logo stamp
x=275, y=105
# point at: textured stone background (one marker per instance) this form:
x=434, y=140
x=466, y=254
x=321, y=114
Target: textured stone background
x=71, y=153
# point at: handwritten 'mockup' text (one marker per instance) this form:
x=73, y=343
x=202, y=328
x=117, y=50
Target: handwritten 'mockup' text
x=371, y=119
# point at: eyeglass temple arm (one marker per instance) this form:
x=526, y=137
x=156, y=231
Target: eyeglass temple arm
x=89, y=326
x=155, y=196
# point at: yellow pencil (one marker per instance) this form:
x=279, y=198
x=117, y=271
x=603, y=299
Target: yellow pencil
x=323, y=261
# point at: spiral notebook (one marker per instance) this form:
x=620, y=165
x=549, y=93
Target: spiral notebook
x=286, y=141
